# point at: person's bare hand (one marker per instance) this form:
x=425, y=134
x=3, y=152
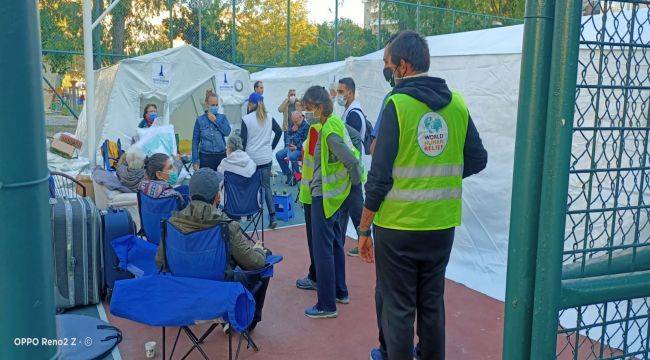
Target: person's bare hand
x=292, y=147
x=211, y=117
x=366, y=252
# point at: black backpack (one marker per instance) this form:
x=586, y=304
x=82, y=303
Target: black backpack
x=367, y=137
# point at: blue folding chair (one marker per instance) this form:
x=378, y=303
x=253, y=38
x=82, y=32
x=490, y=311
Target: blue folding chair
x=243, y=199
x=153, y=211
x=106, y=155
x=205, y=255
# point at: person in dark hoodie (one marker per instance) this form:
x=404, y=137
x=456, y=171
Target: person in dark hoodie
x=426, y=144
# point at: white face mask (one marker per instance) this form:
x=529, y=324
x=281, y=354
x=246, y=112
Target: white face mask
x=292, y=99
x=340, y=99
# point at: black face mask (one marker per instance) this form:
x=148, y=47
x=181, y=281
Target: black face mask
x=389, y=75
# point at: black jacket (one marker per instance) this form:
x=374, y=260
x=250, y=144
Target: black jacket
x=436, y=95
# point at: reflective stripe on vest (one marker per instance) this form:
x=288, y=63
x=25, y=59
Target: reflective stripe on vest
x=336, y=180
x=424, y=195
x=428, y=169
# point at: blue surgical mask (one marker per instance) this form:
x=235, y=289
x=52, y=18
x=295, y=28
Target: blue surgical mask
x=153, y=116
x=172, y=179
x=214, y=109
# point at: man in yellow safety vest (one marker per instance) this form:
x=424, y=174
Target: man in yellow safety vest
x=426, y=144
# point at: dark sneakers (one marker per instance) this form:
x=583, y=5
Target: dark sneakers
x=343, y=300
x=272, y=222
x=306, y=284
x=316, y=313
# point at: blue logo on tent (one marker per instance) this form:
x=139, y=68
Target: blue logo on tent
x=161, y=74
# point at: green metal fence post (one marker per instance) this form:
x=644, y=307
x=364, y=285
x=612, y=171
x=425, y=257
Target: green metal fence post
x=233, y=33
x=529, y=152
x=98, y=8
x=26, y=282
x=170, y=33
x=336, y=28
x=453, y=21
x=379, y=44
x=555, y=181
x=288, y=32
x=417, y=17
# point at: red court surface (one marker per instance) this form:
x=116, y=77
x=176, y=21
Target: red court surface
x=474, y=321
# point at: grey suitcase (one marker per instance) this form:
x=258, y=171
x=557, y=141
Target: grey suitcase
x=76, y=240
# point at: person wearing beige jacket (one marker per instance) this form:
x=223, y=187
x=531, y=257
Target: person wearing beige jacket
x=287, y=107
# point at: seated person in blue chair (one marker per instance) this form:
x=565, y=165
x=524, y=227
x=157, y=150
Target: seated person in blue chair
x=160, y=178
x=202, y=213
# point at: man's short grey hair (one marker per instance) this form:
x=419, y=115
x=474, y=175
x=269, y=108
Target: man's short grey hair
x=235, y=143
x=134, y=158
x=296, y=113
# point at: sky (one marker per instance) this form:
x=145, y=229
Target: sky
x=323, y=10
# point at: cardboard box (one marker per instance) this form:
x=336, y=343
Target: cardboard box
x=87, y=181
x=71, y=140
x=60, y=148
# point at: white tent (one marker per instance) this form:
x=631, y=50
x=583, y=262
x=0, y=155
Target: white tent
x=484, y=67
x=175, y=80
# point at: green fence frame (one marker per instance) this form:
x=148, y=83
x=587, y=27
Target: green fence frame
x=546, y=277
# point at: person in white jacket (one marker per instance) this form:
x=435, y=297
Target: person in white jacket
x=237, y=160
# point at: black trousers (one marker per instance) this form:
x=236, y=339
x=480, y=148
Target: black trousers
x=312, y=270
x=351, y=209
x=257, y=286
x=211, y=161
x=411, y=282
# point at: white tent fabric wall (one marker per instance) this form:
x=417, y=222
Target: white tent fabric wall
x=174, y=78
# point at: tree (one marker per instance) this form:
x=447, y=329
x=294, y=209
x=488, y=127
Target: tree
x=61, y=29
x=261, y=30
x=215, y=24
x=441, y=19
x=352, y=41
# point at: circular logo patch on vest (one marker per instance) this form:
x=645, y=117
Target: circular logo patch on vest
x=432, y=134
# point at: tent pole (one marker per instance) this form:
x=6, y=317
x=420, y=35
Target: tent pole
x=90, y=79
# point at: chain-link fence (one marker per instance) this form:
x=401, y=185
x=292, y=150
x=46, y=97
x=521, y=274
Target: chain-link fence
x=395, y=15
x=608, y=209
x=250, y=33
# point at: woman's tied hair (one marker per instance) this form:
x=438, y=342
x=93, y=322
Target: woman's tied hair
x=208, y=94
x=155, y=163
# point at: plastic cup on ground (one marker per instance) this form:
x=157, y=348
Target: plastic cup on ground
x=150, y=349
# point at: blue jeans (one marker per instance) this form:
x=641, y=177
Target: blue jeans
x=266, y=187
x=329, y=256
x=293, y=157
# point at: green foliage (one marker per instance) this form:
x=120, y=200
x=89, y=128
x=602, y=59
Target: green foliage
x=61, y=28
x=215, y=24
x=353, y=41
x=436, y=17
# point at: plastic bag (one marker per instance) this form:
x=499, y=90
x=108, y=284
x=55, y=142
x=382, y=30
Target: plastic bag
x=157, y=139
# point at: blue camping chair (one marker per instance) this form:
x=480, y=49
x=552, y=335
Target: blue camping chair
x=152, y=212
x=205, y=255
x=199, y=257
x=106, y=156
x=243, y=199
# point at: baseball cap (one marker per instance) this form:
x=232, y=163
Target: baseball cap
x=204, y=184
